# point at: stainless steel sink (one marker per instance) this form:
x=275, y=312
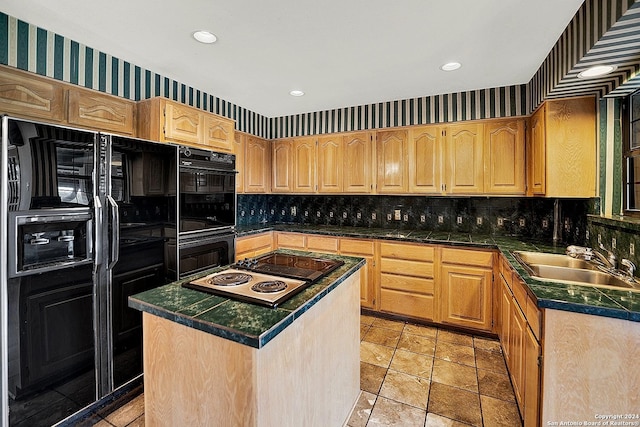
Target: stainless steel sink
x=565, y=269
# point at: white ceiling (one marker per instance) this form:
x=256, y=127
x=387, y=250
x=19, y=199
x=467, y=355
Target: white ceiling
x=339, y=52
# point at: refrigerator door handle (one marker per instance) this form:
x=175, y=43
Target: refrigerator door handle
x=98, y=213
x=115, y=226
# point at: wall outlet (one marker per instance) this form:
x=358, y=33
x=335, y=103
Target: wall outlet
x=545, y=223
x=373, y=216
x=389, y=216
x=599, y=239
x=331, y=214
x=318, y=215
x=479, y=220
x=242, y=213
x=306, y=213
x=252, y=212
x=440, y=219
x=613, y=244
x=283, y=212
x=632, y=249
x=294, y=211
x=344, y=215
x=405, y=217
x=500, y=222
x=459, y=220
x=397, y=214
x=522, y=222
x=359, y=215
x=423, y=218
x=586, y=234
x=273, y=212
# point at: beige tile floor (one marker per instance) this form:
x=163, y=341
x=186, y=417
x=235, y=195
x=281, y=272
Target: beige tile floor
x=413, y=375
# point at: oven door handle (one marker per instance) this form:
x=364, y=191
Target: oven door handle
x=98, y=213
x=115, y=227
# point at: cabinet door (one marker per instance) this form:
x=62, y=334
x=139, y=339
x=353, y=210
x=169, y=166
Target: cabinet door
x=282, y=166
x=238, y=149
x=257, y=165
x=464, y=161
x=182, y=123
x=506, y=300
x=518, y=328
x=537, y=159
x=322, y=244
x=363, y=249
x=253, y=246
x=531, y=388
x=391, y=148
x=504, y=157
x=290, y=241
x=330, y=166
x=466, y=296
x=219, y=133
x=26, y=95
x=358, y=163
x=425, y=159
x=304, y=165
x=100, y=111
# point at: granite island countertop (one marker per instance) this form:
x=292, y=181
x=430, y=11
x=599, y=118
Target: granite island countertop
x=246, y=323
x=592, y=300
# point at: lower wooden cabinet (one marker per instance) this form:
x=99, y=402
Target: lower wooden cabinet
x=520, y=344
x=364, y=249
x=253, y=246
x=406, y=279
x=466, y=288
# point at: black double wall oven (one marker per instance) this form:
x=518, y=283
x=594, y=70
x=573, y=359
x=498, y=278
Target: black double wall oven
x=207, y=210
x=89, y=219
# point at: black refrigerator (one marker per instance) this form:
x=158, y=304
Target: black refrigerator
x=90, y=219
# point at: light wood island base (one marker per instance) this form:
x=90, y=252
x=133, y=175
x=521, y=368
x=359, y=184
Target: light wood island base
x=308, y=375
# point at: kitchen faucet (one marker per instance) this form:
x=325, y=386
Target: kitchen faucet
x=631, y=267
x=609, y=261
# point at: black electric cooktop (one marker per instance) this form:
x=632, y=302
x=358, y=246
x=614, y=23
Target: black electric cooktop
x=292, y=266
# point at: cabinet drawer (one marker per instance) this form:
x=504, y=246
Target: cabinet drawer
x=245, y=244
x=406, y=283
x=534, y=317
x=505, y=270
x=322, y=244
x=360, y=247
x=406, y=251
x=467, y=257
x=290, y=240
x=519, y=293
x=398, y=302
x=406, y=268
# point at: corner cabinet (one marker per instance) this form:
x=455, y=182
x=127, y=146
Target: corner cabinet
x=164, y=120
x=466, y=288
x=562, y=148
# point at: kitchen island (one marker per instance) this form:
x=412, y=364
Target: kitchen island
x=210, y=360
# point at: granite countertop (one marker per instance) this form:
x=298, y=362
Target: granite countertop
x=619, y=304
x=246, y=323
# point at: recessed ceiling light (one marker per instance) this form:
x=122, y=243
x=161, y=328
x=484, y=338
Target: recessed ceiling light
x=450, y=66
x=296, y=93
x=596, y=71
x=204, y=36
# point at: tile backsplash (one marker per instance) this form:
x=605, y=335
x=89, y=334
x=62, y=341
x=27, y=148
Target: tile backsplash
x=618, y=235
x=513, y=216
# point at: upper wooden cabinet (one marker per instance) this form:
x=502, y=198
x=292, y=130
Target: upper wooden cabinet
x=504, y=161
x=282, y=172
x=464, y=162
x=358, y=163
x=562, y=148
x=163, y=120
x=425, y=159
x=304, y=165
x=391, y=148
x=90, y=109
x=28, y=95
x=257, y=165
x=330, y=169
